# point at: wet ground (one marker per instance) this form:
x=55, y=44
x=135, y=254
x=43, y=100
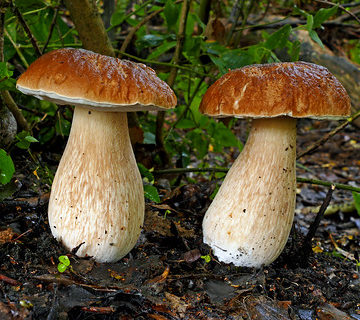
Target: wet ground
x=170, y=274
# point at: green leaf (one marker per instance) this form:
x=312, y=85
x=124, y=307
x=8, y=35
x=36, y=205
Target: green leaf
x=171, y=12
x=225, y=136
x=64, y=260
x=199, y=143
x=191, y=49
x=31, y=139
x=324, y=14
x=236, y=58
x=151, y=193
x=145, y=172
x=4, y=72
x=149, y=138
x=279, y=38
x=8, y=84
x=46, y=134
x=117, y=18
x=298, y=11
x=206, y=258
x=161, y=49
x=63, y=126
x=61, y=267
x=314, y=36
x=7, y=168
x=356, y=197
x=294, y=50
x=119, y=15
x=24, y=140
x=29, y=4
x=150, y=40
x=186, y=123
x=309, y=22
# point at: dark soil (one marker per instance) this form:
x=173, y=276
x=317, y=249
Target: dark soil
x=166, y=276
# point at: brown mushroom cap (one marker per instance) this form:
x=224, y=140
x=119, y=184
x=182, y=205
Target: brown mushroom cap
x=295, y=89
x=84, y=78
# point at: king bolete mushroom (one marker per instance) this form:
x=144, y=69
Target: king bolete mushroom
x=97, y=198
x=249, y=221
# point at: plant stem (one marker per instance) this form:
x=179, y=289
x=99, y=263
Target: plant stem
x=17, y=49
x=53, y=22
x=224, y=170
x=326, y=137
x=132, y=13
x=27, y=31
x=160, y=118
x=303, y=252
x=165, y=64
x=341, y=7
x=133, y=30
x=12, y=106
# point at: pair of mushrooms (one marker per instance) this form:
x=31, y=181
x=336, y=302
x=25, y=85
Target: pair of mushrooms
x=97, y=201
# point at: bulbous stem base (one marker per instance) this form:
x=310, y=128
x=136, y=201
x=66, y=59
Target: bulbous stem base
x=97, y=198
x=249, y=221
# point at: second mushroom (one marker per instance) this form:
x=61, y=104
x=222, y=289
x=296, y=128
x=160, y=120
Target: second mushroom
x=249, y=221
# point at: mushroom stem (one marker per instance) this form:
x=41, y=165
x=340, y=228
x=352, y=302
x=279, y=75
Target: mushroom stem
x=250, y=219
x=97, y=197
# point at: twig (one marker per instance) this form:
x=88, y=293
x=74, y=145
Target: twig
x=133, y=30
x=328, y=184
x=2, y=25
x=243, y=23
x=352, y=4
x=204, y=10
x=130, y=14
x=165, y=64
x=187, y=108
x=31, y=12
x=302, y=253
x=27, y=31
x=12, y=106
x=224, y=170
x=315, y=224
x=341, y=7
x=5, y=95
x=234, y=17
x=187, y=170
x=53, y=22
x=16, y=47
x=326, y=137
x=160, y=118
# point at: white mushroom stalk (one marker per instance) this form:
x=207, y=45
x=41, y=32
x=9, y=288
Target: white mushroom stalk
x=97, y=200
x=249, y=221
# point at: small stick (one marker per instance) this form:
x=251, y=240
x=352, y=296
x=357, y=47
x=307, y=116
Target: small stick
x=53, y=23
x=134, y=29
x=319, y=216
x=28, y=31
x=9, y=280
x=99, y=310
x=326, y=137
x=341, y=7
x=301, y=255
x=224, y=170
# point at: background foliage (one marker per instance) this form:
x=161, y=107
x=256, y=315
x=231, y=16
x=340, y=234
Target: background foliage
x=218, y=36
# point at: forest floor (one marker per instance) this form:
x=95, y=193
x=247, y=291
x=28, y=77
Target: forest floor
x=167, y=275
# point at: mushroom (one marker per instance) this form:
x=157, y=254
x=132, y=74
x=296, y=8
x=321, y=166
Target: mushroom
x=250, y=218
x=97, y=200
